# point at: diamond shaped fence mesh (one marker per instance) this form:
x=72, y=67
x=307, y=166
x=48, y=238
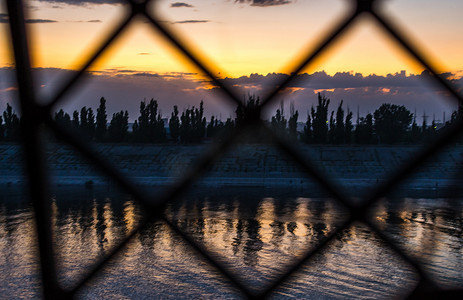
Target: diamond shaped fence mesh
x=36, y=114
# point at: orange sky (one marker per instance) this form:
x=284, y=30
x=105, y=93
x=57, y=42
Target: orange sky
x=242, y=39
x=238, y=39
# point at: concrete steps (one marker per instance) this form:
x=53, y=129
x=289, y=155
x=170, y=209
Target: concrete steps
x=245, y=165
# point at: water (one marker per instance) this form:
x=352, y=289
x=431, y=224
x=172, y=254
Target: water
x=255, y=234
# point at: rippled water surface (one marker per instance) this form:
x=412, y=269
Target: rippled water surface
x=253, y=233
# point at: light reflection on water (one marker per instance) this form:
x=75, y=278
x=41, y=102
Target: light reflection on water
x=256, y=237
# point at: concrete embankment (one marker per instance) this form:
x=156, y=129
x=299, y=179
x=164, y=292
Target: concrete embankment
x=246, y=165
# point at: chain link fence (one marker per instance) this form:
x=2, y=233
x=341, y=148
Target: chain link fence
x=35, y=115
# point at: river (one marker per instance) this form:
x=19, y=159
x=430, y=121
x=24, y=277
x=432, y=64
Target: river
x=255, y=233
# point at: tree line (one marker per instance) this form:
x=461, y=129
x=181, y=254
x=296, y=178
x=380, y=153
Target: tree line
x=389, y=124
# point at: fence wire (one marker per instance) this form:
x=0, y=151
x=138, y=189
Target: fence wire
x=35, y=115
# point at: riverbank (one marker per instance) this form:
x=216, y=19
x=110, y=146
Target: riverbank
x=352, y=167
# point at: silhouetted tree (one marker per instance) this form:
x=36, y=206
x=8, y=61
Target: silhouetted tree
x=278, y=122
x=432, y=129
x=193, y=125
x=292, y=122
x=320, y=120
x=214, y=128
x=75, y=119
x=174, y=124
x=246, y=109
x=306, y=135
x=87, y=121
x=157, y=131
x=340, y=128
x=185, y=126
x=199, y=123
x=424, y=126
x=229, y=125
x=101, y=121
x=135, y=132
x=332, y=129
x=12, y=125
x=348, y=128
x=429, y=132
x=90, y=128
x=210, y=128
x=118, y=127
x=364, y=130
x=83, y=118
x=150, y=126
x=456, y=115
x=391, y=123
x=63, y=118
x=141, y=128
x=415, y=132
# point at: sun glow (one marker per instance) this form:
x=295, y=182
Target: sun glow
x=235, y=40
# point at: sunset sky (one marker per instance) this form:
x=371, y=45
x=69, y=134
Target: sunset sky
x=245, y=42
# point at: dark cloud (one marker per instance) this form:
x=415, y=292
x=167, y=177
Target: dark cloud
x=94, y=21
x=357, y=90
x=191, y=21
x=169, y=75
x=146, y=74
x=4, y=19
x=125, y=88
x=37, y=21
x=265, y=3
x=120, y=71
x=181, y=4
x=85, y=2
x=321, y=80
x=183, y=73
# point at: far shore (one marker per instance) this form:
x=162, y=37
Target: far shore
x=353, y=168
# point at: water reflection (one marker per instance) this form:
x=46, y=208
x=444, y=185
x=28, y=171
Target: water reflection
x=18, y=265
x=249, y=233
x=255, y=237
x=86, y=224
x=431, y=230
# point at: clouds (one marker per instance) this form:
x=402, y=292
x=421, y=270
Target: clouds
x=4, y=18
x=340, y=80
x=191, y=22
x=124, y=89
x=367, y=92
x=180, y=4
x=37, y=21
x=84, y=2
x=265, y=3
x=257, y=3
